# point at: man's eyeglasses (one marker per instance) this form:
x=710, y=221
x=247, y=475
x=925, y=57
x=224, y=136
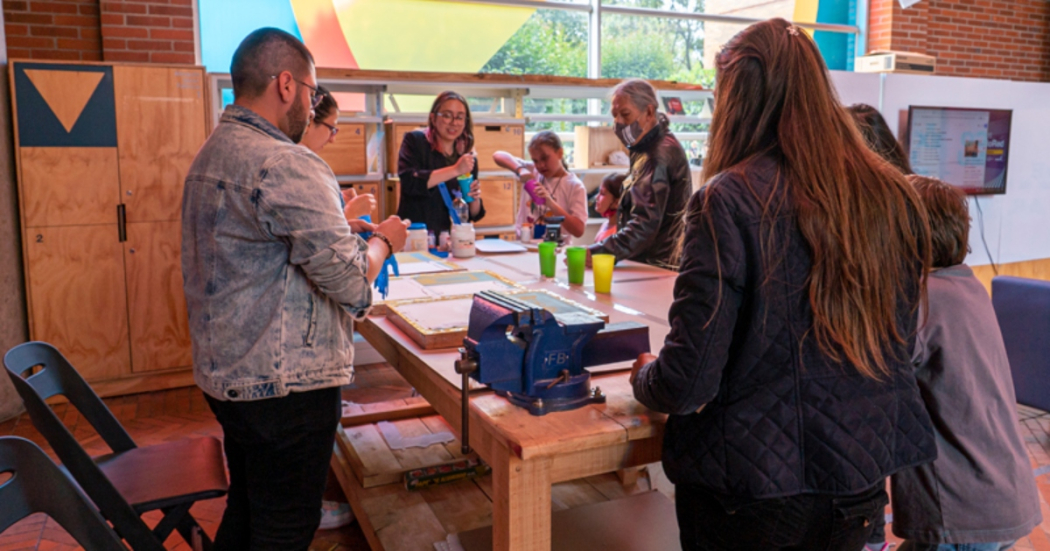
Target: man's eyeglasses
x=315, y=98
x=333, y=129
x=449, y=116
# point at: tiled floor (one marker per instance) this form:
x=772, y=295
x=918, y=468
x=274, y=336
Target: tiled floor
x=160, y=416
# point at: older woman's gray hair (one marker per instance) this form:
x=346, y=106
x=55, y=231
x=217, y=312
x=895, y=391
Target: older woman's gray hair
x=639, y=92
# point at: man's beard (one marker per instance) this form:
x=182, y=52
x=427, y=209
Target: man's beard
x=296, y=120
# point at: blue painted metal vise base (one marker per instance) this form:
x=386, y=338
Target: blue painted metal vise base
x=575, y=394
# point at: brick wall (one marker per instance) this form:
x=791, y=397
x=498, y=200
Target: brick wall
x=154, y=31
x=56, y=29
x=974, y=38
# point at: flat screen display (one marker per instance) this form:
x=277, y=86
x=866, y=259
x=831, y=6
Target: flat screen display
x=965, y=147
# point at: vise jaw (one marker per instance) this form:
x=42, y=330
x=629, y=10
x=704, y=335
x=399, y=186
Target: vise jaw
x=537, y=359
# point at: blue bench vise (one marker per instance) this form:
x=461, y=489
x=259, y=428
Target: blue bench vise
x=538, y=360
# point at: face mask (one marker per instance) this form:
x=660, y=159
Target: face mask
x=628, y=134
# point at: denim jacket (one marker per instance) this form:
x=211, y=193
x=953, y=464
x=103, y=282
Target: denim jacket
x=272, y=272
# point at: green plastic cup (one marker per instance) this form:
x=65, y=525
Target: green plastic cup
x=603, y=271
x=547, y=258
x=577, y=262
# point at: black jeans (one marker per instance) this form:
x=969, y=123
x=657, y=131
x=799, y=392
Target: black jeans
x=814, y=522
x=278, y=451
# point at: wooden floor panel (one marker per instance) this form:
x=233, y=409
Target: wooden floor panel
x=163, y=416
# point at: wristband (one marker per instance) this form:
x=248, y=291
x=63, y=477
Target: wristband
x=384, y=239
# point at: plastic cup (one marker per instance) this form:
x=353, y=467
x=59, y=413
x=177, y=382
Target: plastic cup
x=603, y=270
x=577, y=261
x=464, y=186
x=547, y=258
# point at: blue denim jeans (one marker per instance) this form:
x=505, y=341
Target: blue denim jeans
x=812, y=522
x=916, y=546
x=278, y=451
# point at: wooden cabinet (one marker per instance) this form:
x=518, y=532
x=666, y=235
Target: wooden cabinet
x=490, y=138
x=501, y=206
x=395, y=134
x=347, y=155
x=102, y=152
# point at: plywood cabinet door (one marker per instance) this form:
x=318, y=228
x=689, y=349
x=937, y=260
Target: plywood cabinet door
x=160, y=127
x=499, y=195
x=76, y=286
x=160, y=334
x=347, y=154
x=69, y=186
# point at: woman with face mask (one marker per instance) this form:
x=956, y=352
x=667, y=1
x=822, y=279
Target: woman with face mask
x=657, y=187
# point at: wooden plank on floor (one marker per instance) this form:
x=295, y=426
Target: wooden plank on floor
x=355, y=493
x=387, y=411
x=372, y=461
x=459, y=506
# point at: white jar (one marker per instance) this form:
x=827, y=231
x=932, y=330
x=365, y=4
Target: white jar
x=463, y=240
x=417, y=237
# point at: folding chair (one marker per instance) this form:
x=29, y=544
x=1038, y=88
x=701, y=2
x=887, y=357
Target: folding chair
x=38, y=486
x=131, y=480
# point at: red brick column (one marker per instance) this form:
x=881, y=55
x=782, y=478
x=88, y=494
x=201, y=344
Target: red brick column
x=156, y=31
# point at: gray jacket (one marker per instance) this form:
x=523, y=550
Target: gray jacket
x=981, y=487
x=272, y=272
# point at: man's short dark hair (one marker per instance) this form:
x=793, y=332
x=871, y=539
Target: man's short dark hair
x=949, y=219
x=263, y=54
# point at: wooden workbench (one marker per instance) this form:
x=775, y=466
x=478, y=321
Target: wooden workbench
x=528, y=453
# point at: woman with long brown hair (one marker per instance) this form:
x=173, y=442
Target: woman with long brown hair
x=430, y=161
x=786, y=372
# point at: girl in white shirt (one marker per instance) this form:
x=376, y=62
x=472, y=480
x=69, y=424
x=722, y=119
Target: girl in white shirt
x=563, y=193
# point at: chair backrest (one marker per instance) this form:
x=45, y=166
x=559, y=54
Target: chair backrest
x=1022, y=307
x=36, y=485
x=59, y=378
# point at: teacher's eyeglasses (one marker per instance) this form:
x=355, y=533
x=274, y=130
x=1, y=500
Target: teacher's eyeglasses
x=449, y=116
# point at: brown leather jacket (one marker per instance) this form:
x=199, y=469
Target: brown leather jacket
x=656, y=191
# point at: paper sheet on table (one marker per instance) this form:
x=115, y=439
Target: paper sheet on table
x=406, y=289
x=423, y=267
x=445, y=314
x=465, y=288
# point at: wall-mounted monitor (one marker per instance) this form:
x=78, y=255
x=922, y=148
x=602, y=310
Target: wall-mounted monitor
x=965, y=147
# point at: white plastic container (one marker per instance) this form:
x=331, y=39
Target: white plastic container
x=463, y=240
x=417, y=237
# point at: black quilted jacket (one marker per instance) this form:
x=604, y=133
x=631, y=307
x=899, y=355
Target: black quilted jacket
x=655, y=193
x=782, y=418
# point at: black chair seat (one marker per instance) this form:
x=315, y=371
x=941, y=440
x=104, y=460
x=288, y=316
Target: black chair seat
x=168, y=474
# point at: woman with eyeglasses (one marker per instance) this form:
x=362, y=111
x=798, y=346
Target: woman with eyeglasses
x=430, y=161
x=322, y=131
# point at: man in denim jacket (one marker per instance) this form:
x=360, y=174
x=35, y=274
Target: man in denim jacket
x=273, y=276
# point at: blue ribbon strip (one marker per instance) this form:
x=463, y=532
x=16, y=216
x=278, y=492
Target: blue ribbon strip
x=448, y=203
x=382, y=283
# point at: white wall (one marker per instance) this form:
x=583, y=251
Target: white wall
x=856, y=87
x=1016, y=224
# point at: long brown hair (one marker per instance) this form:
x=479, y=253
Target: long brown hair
x=465, y=141
x=878, y=136
x=864, y=224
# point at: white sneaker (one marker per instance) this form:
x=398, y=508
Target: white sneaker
x=335, y=515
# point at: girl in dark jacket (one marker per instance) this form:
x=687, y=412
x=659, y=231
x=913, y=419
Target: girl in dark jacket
x=786, y=372
x=657, y=186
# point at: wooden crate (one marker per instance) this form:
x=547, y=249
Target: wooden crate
x=395, y=134
x=490, y=138
x=593, y=145
x=348, y=154
x=501, y=202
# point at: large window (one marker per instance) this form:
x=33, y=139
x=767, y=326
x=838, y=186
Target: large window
x=659, y=39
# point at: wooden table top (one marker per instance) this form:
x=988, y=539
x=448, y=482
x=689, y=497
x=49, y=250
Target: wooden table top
x=639, y=293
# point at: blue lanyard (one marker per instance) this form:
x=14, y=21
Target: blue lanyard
x=448, y=203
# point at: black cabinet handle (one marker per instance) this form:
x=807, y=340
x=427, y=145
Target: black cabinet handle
x=122, y=227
